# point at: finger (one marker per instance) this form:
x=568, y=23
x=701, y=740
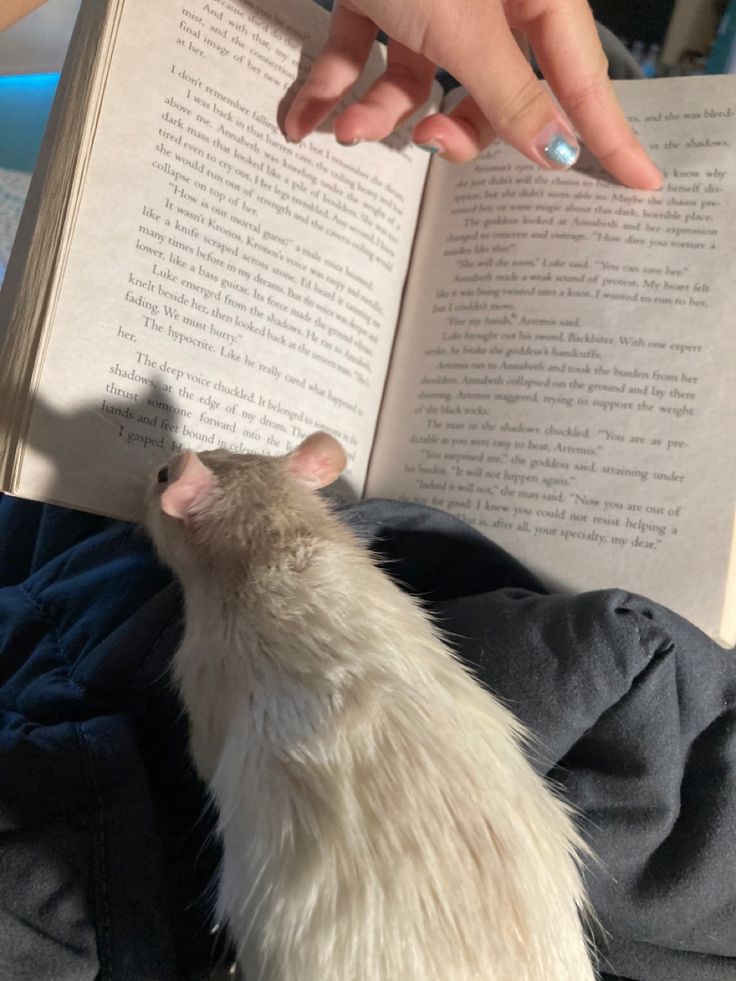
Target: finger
x=566, y=44
x=399, y=92
x=336, y=69
x=495, y=72
x=463, y=133
x=458, y=136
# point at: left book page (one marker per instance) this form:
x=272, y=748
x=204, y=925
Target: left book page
x=220, y=286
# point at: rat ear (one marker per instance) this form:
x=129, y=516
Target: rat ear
x=194, y=482
x=317, y=461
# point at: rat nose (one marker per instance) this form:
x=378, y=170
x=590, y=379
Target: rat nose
x=163, y=475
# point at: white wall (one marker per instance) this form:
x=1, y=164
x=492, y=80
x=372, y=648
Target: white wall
x=38, y=42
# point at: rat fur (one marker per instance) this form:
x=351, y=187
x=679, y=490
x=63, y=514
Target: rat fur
x=379, y=820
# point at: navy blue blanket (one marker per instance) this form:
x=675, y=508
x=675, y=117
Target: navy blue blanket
x=106, y=854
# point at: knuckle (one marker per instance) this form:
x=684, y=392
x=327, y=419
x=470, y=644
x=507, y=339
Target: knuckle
x=590, y=90
x=529, y=101
x=320, y=86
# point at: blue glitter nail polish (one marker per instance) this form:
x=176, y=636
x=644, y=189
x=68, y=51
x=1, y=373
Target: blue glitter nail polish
x=560, y=151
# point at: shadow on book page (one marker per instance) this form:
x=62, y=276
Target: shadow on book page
x=587, y=164
x=100, y=455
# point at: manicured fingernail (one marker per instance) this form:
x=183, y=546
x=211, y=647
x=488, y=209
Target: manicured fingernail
x=348, y=142
x=434, y=146
x=557, y=147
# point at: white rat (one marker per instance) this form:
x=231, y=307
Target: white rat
x=379, y=820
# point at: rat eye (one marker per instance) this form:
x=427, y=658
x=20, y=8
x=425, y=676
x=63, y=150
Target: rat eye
x=163, y=475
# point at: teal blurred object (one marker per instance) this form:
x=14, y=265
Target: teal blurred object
x=25, y=103
x=722, y=57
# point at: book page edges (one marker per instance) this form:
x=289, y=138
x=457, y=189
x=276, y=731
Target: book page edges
x=35, y=269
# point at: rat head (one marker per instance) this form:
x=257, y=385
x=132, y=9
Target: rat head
x=207, y=511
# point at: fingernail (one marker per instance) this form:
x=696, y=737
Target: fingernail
x=289, y=139
x=558, y=147
x=434, y=146
x=348, y=142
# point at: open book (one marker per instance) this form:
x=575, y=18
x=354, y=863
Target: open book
x=547, y=355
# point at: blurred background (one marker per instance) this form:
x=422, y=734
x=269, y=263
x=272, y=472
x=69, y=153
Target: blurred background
x=674, y=37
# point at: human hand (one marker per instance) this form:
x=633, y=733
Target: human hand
x=473, y=40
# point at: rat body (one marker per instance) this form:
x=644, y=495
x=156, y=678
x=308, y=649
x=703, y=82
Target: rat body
x=379, y=820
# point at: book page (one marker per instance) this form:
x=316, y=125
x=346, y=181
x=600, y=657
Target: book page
x=565, y=370
x=222, y=287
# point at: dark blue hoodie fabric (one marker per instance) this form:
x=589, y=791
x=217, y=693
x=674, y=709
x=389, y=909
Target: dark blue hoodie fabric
x=107, y=858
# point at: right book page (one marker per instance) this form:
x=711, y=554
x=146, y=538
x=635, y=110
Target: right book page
x=564, y=374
